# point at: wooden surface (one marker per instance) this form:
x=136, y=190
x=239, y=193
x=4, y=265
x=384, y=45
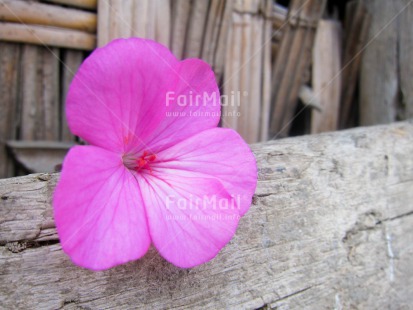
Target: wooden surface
x=331, y=227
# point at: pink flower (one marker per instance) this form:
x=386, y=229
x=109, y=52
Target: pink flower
x=157, y=169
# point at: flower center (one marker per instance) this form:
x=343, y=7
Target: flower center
x=139, y=163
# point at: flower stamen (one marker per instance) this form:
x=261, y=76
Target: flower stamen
x=138, y=163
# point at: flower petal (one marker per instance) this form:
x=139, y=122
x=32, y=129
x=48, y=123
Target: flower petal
x=190, y=219
x=192, y=102
x=117, y=97
x=98, y=210
x=220, y=153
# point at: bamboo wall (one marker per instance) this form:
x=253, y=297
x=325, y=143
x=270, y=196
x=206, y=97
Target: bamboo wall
x=308, y=67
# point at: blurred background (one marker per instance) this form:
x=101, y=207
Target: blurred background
x=292, y=67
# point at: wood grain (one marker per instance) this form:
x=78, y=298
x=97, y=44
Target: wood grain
x=331, y=226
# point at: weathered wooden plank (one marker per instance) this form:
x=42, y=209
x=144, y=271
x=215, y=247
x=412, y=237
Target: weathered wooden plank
x=331, y=226
x=42, y=35
x=27, y=12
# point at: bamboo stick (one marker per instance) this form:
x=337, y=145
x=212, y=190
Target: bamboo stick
x=48, y=15
x=30, y=85
x=72, y=60
x=124, y=17
x=231, y=76
x=150, y=28
x=84, y=4
x=379, y=70
x=254, y=97
x=222, y=43
x=194, y=39
x=266, y=76
x=243, y=126
x=47, y=36
x=9, y=62
x=357, y=25
x=211, y=32
x=326, y=78
x=163, y=22
x=180, y=17
x=115, y=19
x=49, y=104
x=40, y=93
x=149, y=19
x=139, y=18
x=103, y=22
x=292, y=61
